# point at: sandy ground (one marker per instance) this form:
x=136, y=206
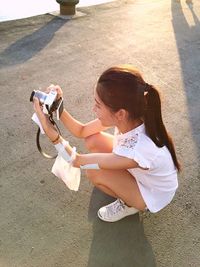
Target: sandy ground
x=42, y=223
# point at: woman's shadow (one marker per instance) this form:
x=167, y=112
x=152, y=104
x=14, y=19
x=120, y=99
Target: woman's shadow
x=187, y=33
x=119, y=244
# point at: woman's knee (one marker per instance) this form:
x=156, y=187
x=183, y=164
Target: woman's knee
x=90, y=142
x=99, y=142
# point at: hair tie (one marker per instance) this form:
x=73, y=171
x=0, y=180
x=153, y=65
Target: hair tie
x=146, y=87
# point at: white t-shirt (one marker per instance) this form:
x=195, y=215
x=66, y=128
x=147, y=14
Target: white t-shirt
x=158, y=181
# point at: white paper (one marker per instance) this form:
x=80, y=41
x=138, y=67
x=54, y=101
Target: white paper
x=37, y=121
x=62, y=151
x=65, y=171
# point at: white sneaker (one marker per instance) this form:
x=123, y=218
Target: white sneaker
x=115, y=211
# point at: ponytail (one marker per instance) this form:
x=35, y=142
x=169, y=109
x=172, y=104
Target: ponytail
x=154, y=125
x=123, y=87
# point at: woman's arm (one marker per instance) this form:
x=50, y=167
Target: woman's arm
x=52, y=133
x=105, y=161
x=79, y=129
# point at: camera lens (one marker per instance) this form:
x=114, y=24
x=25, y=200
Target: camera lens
x=40, y=95
x=32, y=95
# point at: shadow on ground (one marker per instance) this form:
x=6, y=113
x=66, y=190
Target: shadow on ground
x=28, y=46
x=188, y=45
x=117, y=244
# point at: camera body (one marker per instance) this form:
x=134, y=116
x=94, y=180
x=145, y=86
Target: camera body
x=49, y=102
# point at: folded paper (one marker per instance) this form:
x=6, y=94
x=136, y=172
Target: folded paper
x=65, y=171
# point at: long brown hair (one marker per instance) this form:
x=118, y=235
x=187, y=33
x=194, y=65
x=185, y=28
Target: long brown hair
x=122, y=87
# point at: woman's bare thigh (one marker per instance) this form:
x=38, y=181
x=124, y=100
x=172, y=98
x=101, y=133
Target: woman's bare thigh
x=122, y=184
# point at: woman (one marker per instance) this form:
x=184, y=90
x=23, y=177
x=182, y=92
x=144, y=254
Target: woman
x=138, y=165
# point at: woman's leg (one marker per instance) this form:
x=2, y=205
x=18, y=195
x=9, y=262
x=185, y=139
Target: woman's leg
x=100, y=142
x=120, y=183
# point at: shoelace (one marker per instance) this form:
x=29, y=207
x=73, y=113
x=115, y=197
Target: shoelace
x=118, y=206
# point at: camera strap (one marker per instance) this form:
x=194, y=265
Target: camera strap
x=38, y=137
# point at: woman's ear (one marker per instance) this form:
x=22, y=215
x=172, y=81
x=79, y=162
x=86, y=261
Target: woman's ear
x=121, y=114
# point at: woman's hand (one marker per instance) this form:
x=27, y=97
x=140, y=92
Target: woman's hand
x=38, y=109
x=56, y=88
x=47, y=126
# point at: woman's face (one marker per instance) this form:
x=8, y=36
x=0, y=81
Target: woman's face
x=103, y=113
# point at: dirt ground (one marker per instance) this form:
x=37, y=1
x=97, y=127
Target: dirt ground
x=42, y=223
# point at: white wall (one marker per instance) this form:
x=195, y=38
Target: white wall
x=17, y=9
